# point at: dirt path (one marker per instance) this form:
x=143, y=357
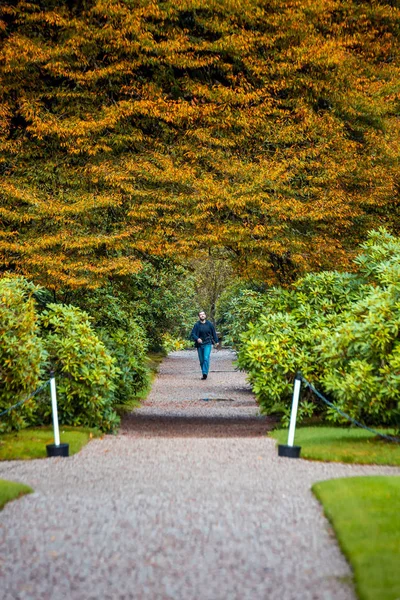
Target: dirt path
x=189, y=502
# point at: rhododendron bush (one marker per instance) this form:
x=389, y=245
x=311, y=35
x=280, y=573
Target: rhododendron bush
x=341, y=331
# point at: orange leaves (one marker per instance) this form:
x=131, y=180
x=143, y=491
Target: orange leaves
x=152, y=128
x=20, y=51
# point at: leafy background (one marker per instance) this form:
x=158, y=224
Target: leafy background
x=159, y=157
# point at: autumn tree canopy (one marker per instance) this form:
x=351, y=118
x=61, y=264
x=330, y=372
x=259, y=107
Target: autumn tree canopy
x=131, y=129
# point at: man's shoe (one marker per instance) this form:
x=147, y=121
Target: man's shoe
x=204, y=376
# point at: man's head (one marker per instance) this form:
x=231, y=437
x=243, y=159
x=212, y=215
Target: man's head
x=202, y=316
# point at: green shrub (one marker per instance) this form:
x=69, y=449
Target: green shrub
x=341, y=330
x=85, y=370
x=163, y=300
x=173, y=344
x=363, y=354
x=238, y=306
x=115, y=323
x=284, y=338
x=379, y=261
x=22, y=355
x=127, y=345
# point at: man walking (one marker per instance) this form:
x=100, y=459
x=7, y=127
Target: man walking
x=204, y=335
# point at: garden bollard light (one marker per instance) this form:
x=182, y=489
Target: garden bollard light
x=289, y=450
x=55, y=449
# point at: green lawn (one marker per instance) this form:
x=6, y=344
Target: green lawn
x=342, y=445
x=31, y=442
x=365, y=515
x=9, y=490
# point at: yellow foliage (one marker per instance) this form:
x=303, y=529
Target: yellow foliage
x=161, y=128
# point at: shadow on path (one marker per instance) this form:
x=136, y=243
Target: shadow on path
x=200, y=427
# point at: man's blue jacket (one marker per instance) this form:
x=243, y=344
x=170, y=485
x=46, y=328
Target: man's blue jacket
x=212, y=334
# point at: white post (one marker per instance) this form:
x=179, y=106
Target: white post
x=295, y=404
x=54, y=409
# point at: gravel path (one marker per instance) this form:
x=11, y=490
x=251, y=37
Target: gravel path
x=189, y=502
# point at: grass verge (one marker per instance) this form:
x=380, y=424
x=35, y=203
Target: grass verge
x=9, y=490
x=31, y=442
x=338, y=444
x=364, y=512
